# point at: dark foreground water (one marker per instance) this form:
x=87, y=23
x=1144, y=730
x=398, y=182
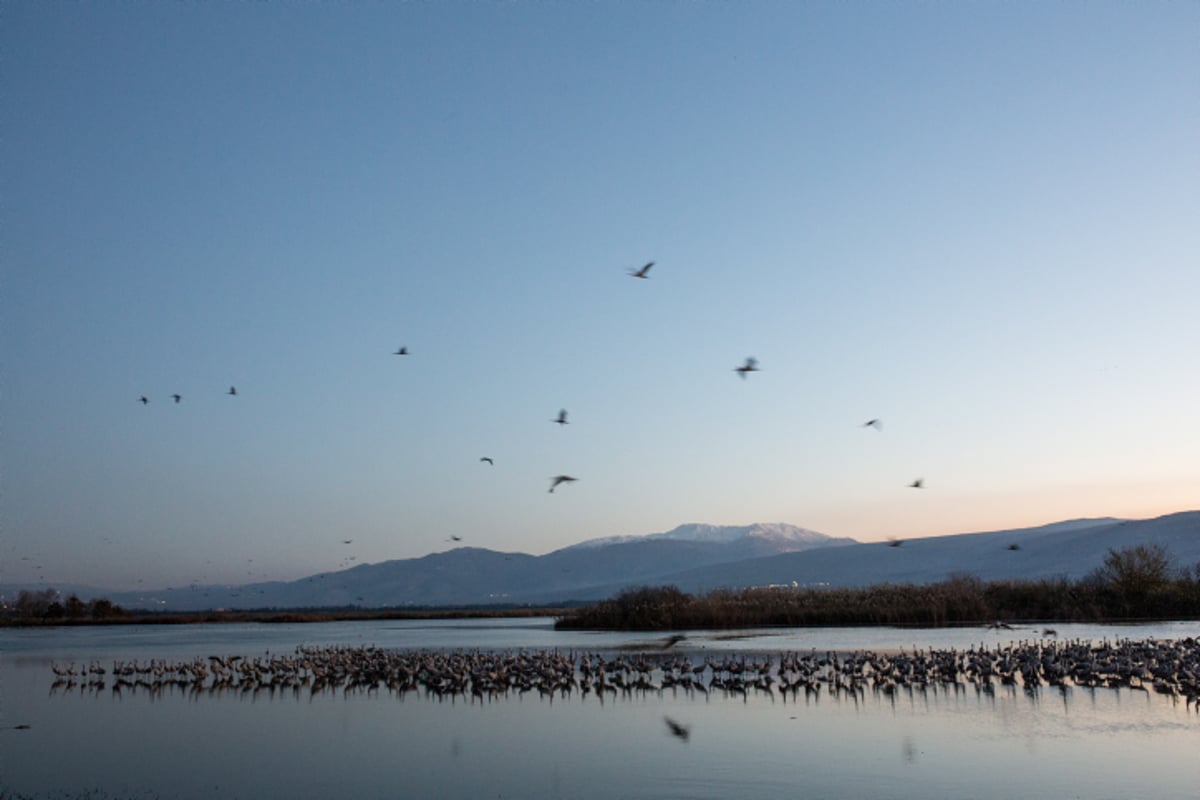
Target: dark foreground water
x=180, y=744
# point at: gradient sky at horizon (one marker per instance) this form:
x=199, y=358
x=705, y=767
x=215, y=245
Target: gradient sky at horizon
x=976, y=222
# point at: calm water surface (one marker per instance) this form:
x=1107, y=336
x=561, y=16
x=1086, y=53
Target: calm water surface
x=377, y=745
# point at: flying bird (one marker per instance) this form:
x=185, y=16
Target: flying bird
x=562, y=418
x=454, y=538
x=682, y=731
x=642, y=273
x=894, y=542
x=232, y=390
x=874, y=423
x=177, y=397
x=557, y=479
x=143, y=400
x=919, y=483
x=751, y=365
x=347, y=541
x=403, y=351
x=488, y=460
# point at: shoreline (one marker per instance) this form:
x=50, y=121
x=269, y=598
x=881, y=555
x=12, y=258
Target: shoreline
x=282, y=616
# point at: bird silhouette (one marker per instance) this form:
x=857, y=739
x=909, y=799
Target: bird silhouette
x=562, y=418
x=894, y=542
x=873, y=423
x=488, y=460
x=454, y=538
x=682, y=731
x=919, y=483
x=641, y=273
x=558, y=479
x=177, y=397
x=751, y=365
x=143, y=400
x=232, y=390
x=347, y=541
x=403, y=351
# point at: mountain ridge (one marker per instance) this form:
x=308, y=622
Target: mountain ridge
x=696, y=558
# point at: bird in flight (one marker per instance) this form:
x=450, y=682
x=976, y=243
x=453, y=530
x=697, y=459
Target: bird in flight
x=403, y=351
x=682, y=731
x=877, y=424
x=557, y=479
x=143, y=400
x=751, y=365
x=454, y=538
x=919, y=483
x=347, y=541
x=488, y=460
x=642, y=273
x=562, y=418
x=232, y=391
x=177, y=397
x=894, y=542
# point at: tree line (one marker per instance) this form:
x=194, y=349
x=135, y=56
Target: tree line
x=46, y=605
x=1133, y=583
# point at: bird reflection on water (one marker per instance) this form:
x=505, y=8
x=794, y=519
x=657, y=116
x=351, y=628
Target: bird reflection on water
x=678, y=730
x=1170, y=668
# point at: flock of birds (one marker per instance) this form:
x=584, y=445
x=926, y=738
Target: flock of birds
x=1170, y=668
x=643, y=272
x=178, y=398
x=748, y=366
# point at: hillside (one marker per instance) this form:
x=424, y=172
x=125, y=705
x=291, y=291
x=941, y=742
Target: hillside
x=696, y=558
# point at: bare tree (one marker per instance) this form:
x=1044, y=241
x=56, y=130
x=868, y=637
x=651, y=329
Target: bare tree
x=35, y=604
x=1136, y=570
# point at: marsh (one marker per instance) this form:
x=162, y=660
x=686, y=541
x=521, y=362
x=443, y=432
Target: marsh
x=382, y=743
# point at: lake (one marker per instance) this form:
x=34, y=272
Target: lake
x=380, y=744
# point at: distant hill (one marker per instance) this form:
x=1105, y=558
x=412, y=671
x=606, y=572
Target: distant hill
x=1071, y=549
x=695, y=558
x=473, y=576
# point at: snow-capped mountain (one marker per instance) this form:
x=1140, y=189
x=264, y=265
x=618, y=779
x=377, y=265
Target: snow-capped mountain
x=779, y=533
x=697, y=558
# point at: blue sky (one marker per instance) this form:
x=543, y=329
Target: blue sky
x=975, y=222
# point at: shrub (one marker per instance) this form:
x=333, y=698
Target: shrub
x=1137, y=571
x=103, y=608
x=75, y=608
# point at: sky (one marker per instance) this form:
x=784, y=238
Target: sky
x=974, y=222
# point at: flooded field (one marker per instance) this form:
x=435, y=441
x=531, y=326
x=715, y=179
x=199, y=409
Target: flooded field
x=663, y=739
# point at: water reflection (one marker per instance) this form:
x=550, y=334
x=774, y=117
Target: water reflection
x=1170, y=668
x=956, y=742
